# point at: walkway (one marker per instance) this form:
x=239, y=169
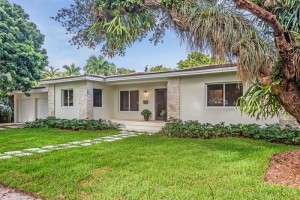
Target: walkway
x=69, y=145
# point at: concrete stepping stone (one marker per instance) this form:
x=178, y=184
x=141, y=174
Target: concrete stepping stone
x=48, y=147
x=86, y=144
x=23, y=154
x=71, y=146
x=33, y=149
x=13, y=152
x=42, y=151
x=109, y=140
x=97, y=142
x=87, y=141
x=63, y=145
x=108, y=137
x=98, y=139
x=75, y=142
x=2, y=129
x=5, y=157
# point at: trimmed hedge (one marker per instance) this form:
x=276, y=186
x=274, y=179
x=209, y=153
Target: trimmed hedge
x=73, y=124
x=194, y=129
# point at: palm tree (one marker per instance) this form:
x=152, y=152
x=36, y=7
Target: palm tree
x=51, y=72
x=99, y=66
x=71, y=70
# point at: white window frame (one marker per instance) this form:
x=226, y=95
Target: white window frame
x=129, y=100
x=219, y=83
x=101, y=98
x=62, y=97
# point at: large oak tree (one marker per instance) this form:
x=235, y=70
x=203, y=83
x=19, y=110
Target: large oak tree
x=22, y=58
x=262, y=35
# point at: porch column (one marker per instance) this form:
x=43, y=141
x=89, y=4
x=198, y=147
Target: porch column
x=16, y=108
x=86, y=100
x=288, y=120
x=51, y=100
x=173, y=107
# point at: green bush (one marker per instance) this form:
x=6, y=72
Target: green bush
x=74, y=124
x=194, y=129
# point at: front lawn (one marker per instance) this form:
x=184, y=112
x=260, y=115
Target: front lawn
x=143, y=167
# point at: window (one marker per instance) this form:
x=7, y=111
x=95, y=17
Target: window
x=97, y=98
x=129, y=100
x=224, y=95
x=67, y=97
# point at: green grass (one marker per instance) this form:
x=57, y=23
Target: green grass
x=144, y=167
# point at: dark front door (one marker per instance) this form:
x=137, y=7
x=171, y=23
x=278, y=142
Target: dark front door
x=160, y=102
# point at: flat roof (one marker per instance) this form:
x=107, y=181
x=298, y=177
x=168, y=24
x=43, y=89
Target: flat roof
x=220, y=68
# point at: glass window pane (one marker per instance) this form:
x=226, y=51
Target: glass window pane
x=215, y=95
x=134, y=100
x=232, y=93
x=70, y=97
x=124, y=101
x=97, y=97
x=65, y=98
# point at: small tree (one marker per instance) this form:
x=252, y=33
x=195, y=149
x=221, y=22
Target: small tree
x=52, y=73
x=159, y=68
x=196, y=59
x=124, y=71
x=71, y=70
x=100, y=66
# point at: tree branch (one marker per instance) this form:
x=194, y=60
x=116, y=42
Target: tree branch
x=261, y=13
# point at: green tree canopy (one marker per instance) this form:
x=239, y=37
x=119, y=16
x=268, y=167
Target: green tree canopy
x=100, y=66
x=22, y=58
x=71, y=70
x=52, y=72
x=195, y=59
x=159, y=68
x=262, y=35
x=123, y=70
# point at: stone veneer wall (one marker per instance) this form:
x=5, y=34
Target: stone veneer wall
x=86, y=101
x=51, y=100
x=173, y=98
x=288, y=120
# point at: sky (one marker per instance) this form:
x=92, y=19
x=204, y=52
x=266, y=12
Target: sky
x=61, y=52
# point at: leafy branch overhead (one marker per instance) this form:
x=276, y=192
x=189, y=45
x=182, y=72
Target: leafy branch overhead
x=259, y=34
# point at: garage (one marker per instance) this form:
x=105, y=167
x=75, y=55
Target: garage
x=41, y=108
x=25, y=110
x=31, y=107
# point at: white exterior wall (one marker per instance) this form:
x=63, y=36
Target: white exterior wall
x=150, y=96
x=32, y=111
x=107, y=109
x=193, y=101
x=67, y=112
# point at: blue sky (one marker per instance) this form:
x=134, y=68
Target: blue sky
x=61, y=52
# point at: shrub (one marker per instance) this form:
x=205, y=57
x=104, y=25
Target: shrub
x=194, y=129
x=74, y=124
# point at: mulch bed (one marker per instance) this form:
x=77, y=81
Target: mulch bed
x=284, y=169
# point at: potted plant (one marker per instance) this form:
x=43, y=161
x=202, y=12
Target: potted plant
x=146, y=113
x=164, y=114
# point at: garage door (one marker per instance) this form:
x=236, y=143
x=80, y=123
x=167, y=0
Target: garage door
x=25, y=110
x=41, y=108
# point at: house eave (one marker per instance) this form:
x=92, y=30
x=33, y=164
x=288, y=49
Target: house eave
x=170, y=74
x=72, y=79
x=140, y=77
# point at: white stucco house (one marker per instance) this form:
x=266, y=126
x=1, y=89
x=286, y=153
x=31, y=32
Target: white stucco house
x=206, y=93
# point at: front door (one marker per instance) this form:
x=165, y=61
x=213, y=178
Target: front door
x=160, y=102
